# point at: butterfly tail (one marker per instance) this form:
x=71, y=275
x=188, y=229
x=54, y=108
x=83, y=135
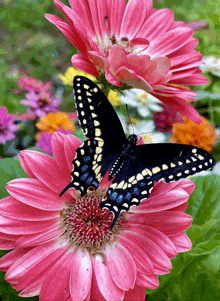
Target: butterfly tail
x=70, y=185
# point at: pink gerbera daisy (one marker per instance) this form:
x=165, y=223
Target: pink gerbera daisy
x=64, y=248
x=135, y=44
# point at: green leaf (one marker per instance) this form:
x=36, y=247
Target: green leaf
x=79, y=134
x=10, y=169
x=196, y=273
x=204, y=203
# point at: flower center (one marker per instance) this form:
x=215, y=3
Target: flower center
x=87, y=225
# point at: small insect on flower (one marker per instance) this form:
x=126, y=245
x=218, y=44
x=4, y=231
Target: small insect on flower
x=132, y=168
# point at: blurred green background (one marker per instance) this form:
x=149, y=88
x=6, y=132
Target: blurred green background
x=32, y=45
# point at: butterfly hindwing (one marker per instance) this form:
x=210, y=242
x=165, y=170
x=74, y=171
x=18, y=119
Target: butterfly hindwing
x=172, y=162
x=149, y=163
x=132, y=185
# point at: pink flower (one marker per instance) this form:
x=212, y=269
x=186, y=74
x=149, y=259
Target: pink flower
x=7, y=126
x=135, y=44
x=29, y=84
x=164, y=120
x=40, y=103
x=63, y=246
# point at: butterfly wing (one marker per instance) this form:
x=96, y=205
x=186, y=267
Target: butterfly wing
x=149, y=163
x=172, y=162
x=102, y=126
x=96, y=115
x=129, y=187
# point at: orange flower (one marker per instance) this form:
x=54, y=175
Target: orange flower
x=201, y=135
x=53, y=121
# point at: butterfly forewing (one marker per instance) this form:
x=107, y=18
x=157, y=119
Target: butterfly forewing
x=96, y=115
x=172, y=162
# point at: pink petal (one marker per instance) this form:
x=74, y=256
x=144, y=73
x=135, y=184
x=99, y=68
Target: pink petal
x=37, y=269
x=30, y=292
x=154, y=252
x=132, y=79
x=70, y=146
x=195, y=79
x=169, y=200
x=148, y=281
x=82, y=63
x=80, y=276
x=134, y=15
x=32, y=192
x=39, y=238
x=24, y=212
x=11, y=226
x=25, y=166
x=82, y=9
x=121, y=266
x=181, y=106
x=137, y=293
x=10, y=258
x=156, y=25
x=69, y=32
x=168, y=222
x=41, y=166
x=106, y=285
x=117, y=58
x=180, y=208
x=184, y=59
x=57, y=144
x=116, y=15
x=160, y=188
x=57, y=283
x=7, y=244
x=170, y=41
x=61, y=7
x=99, y=61
x=187, y=185
x=157, y=237
x=112, y=79
x=181, y=242
x=182, y=74
x=187, y=48
x=142, y=261
x=95, y=293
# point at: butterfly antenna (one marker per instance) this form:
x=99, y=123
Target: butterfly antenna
x=130, y=122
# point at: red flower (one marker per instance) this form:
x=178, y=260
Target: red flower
x=63, y=246
x=135, y=44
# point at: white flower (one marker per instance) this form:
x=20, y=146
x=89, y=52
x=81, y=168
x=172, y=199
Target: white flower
x=212, y=64
x=145, y=129
x=142, y=100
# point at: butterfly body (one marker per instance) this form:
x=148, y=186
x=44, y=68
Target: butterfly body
x=132, y=168
x=127, y=149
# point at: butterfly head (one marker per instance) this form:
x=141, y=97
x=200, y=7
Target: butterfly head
x=133, y=139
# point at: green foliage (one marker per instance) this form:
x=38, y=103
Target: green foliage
x=195, y=274
x=10, y=169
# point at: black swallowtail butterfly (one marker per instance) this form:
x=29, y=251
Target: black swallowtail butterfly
x=133, y=168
